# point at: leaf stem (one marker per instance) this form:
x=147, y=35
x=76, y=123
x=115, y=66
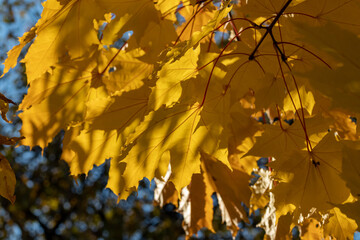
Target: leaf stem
x=234, y=27
x=113, y=58
x=216, y=60
x=199, y=9
x=301, y=119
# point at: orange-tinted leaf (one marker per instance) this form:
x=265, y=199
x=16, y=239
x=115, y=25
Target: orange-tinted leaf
x=283, y=227
x=339, y=226
x=4, y=107
x=201, y=204
x=9, y=140
x=7, y=180
x=222, y=179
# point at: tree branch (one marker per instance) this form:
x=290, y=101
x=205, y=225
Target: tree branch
x=269, y=31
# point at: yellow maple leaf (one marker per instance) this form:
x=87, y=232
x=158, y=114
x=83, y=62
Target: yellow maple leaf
x=169, y=194
x=168, y=8
x=277, y=140
x=111, y=120
x=209, y=27
x=4, y=106
x=222, y=179
x=61, y=96
x=352, y=211
x=8, y=180
x=195, y=18
x=170, y=95
x=168, y=87
x=271, y=92
x=340, y=226
x=201, y=203
x=127, y=71
x=343, y=125
x=171, y=130
x=314, y=174
x=301, y=99
x=243, y=132
x=157, y=38
x=75, y=36
x=343, y=13
x=351, y=166
x=129, y=16
x=283, y=227
x=340, y=84
x=116, y=181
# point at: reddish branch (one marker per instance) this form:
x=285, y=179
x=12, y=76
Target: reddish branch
x=234, y=27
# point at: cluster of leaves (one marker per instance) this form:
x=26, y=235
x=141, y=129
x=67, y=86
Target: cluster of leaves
x=51, y=205
x=170, y=99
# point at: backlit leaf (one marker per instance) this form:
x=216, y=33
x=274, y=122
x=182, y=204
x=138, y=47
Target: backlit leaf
x=8, y=180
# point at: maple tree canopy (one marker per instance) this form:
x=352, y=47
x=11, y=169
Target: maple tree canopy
x=197, y=93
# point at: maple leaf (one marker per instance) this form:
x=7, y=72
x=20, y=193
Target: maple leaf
x=111, y=120
x=123, y=64
x=139, y=17
x=282, y=138
x=306, y=98
x=4, y=106
x=160, y=133
x=168, y=88
x=195, y=18
x=339, y=84
x=207, y=29
x=244, y=130
x=201, y=203
x=343, y=13
x=314, y=173
x=53, y=42
x=339, y=225
x=168, y=8
x=351, y=210
x=221, y=178
x=55, y=104
x=8, y=180
x=283, y=226
x=168, y=194
x=351, y=166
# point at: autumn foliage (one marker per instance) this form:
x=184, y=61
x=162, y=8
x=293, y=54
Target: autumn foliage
x=198, y=93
